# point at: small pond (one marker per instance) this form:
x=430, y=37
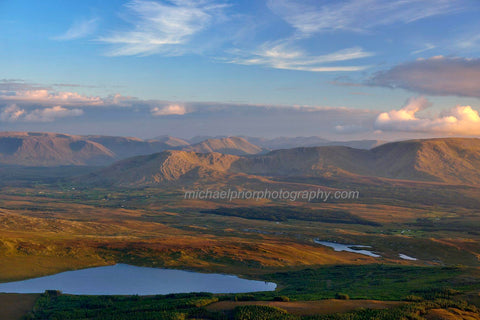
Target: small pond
x=348, y=247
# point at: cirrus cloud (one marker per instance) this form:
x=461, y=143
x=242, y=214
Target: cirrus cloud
x=282, y=55
x=161, y=27
x=309, y=17
x=79, y=29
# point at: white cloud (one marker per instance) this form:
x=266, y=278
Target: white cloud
x=406, y=113
x=461, y=120
x=311, y=16
x=51, y=114
x=172, y=109
x=79, y=29
x=13, y=113
x=43, y=96
x=284, y=56
x=160, y=27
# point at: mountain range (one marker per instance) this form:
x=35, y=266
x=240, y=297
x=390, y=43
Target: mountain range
x=169, y=160
x=56, y=149
x=313, y=141
x=449, y=160
x=295, y=142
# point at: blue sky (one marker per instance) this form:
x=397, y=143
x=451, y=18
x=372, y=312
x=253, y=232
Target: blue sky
x=348, y=69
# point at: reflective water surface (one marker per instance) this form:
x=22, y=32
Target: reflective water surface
x=123, y=279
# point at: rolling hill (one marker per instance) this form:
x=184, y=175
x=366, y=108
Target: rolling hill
x=315, y=161
x=51, y=149
x=450, y=160
x=165, y=168
x=230, y=145
x=125, y=147
x=171, y=141
x=55, y=149
x=314, y=141
x=38, y=149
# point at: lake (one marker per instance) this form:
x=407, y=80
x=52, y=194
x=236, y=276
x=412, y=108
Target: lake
x=123, y=279
x=348, y=247
x=360, y=249
x=405, y=257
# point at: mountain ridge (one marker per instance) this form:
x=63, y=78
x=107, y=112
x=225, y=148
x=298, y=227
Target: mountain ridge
x=167, y=167
x=51, y=149
x=229, y=145
x=447, y=160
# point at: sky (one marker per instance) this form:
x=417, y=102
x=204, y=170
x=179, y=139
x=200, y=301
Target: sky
x=340, y=69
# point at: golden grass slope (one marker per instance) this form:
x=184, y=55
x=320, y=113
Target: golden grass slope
x=168, y=167
x=452, y=160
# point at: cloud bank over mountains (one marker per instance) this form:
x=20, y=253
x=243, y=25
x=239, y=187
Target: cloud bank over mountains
x=13, y=113
x=21, y=102
x=459, y=120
